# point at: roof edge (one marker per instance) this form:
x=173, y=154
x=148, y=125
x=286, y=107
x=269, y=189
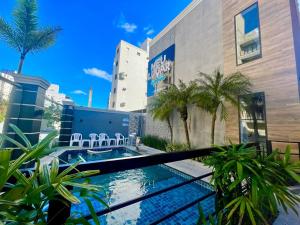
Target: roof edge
x=176, y=20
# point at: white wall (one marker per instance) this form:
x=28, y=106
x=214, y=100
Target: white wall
x=198, y=47
x=133, y=62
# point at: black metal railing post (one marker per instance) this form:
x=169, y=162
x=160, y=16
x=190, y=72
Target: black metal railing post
x=299, y=149
x=269, y=147
x=58, y=212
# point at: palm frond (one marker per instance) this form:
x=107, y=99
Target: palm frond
x=25, y=17
x=8, y=34
x=43, y=39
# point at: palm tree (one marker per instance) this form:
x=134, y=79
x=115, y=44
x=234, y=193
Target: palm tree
x=180, y=97
x=161, y=109
x=25, y=36
x=215, y=90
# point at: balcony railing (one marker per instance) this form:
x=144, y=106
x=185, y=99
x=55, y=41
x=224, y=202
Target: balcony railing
x=56, y=217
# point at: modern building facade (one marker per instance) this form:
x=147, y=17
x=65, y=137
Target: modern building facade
x=255, y=37
x=128, y=92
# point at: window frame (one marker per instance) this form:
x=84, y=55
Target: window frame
x=265, y=110
x=259, y=31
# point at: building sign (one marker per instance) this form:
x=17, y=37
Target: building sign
x=161, y=71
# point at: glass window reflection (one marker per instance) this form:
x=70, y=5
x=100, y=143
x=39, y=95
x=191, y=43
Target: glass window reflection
x=252, y=118
x=247, y=33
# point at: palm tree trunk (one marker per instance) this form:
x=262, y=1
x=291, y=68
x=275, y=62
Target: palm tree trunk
x=21, y=62
x=187, y=136
x=213, y=124
x=170, y=128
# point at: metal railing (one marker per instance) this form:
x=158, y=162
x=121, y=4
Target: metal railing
x=271, y=142
x=56, y=217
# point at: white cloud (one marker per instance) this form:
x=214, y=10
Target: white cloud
x=128, y=27
x=98, y=73
x=79, y=92
x=125, y=25
x=149, y=30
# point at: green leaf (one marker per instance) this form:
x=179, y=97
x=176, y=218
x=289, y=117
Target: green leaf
x=64, y=192
x=240, y=170
x=92, y=211
x=54, y=169
x=21, y=135
x=5, y=156
x=250, y=214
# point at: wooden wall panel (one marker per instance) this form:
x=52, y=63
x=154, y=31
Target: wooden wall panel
x=275, y=73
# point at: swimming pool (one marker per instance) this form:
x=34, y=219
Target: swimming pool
x=126, y=185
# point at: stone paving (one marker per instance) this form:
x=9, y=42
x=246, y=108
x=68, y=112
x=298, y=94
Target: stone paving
x=190, y=167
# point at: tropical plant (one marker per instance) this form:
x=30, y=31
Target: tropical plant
x=161, y=109
x=216, y=89
x=24, y=196
x=154, y=142
x=176, y=147
x=180, y=98
x=52, y=115
x=25, y=36
x=251, y=187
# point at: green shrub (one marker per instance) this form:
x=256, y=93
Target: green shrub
x=176, y=147
x=24, y=201
x=155, y=142
x=250, y=187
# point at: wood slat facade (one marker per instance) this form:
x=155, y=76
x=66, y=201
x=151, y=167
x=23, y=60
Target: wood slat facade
x=275, y=73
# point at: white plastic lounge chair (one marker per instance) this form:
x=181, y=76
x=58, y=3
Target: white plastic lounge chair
x=111, y=141
x=94, y=140
x=102, y=139
x=120, y=138
x=76, y=138
x=88, y=141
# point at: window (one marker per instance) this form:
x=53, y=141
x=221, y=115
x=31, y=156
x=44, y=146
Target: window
x=252, y=118
x=117, y=63
x=122, y=104
x=116, y=76
x=138, y=53
x=114, y=104
x=118, y=50
x=114, y=90
x=123, y=89
x=247, y=35
x=122, y=76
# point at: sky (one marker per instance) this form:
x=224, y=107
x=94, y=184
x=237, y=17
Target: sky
x=83, y=54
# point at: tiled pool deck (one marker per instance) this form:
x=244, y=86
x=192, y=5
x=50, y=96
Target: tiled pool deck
x=190, y=167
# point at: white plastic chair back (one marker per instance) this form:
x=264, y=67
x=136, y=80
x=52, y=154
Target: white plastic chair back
x=102, y=136
x=93, y=136
x=76, y=137
x=119, y=136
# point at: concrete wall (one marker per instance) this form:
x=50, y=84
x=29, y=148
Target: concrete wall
x=89, y=120
x=197, y=35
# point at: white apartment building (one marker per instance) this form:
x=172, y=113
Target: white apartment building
x=129, y=83
x=53, y=95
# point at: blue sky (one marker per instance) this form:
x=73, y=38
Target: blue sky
x=84, y=52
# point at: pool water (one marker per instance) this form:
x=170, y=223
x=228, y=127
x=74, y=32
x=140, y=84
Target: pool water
x=126, y=185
